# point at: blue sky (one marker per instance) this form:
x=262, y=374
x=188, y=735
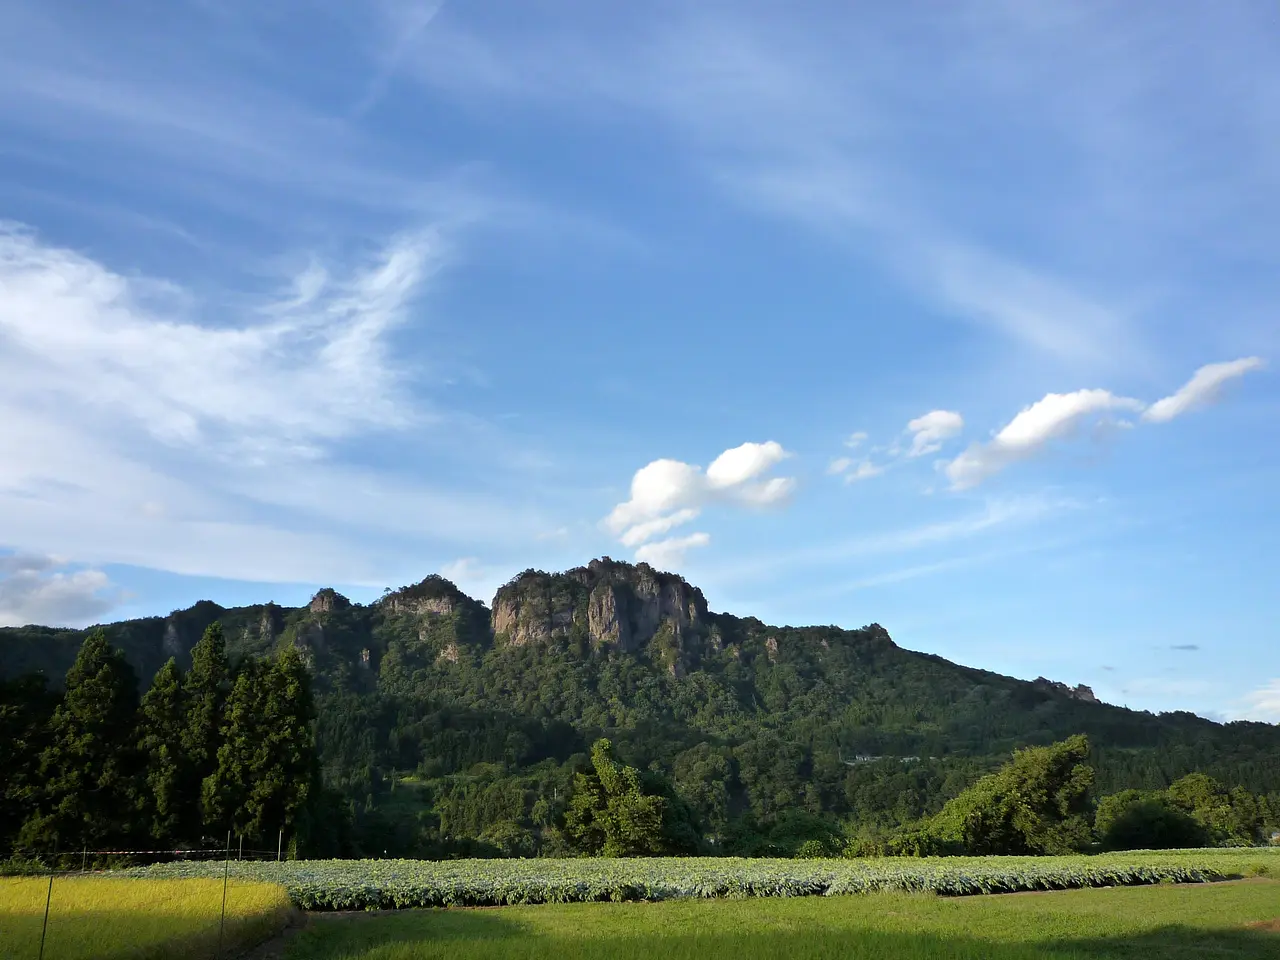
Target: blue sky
x=959, y=318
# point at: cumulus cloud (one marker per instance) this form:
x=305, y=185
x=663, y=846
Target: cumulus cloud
x=742, y=463
x=1204, y=387
x=666, y=494
x=1059, y=414
x=855, y=440
x=36, y=589
x=1054, y=416
x=930, y=430
x=1264, y=703
x=669, y=553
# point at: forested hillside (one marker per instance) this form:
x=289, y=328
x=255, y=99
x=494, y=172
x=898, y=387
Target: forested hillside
x=446, y=727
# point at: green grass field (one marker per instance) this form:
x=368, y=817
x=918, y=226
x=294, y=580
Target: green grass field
x=103, y=918
x=1227, y=920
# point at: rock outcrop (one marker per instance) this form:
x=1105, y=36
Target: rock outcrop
x=1078, y=692
x=610, y=604
x=433, y=595
x=328, y=600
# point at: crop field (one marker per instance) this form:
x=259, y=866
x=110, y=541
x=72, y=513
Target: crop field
x=388, y=884
x=1236, y=920
x=103, y=918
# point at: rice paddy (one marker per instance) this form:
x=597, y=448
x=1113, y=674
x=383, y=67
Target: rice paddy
x=105, y=918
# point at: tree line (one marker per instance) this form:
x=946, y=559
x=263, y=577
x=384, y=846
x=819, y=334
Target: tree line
x=1039, y=803
x=243, y=747
x=211, y=750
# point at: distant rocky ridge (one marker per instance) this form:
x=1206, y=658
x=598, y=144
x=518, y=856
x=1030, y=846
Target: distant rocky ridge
x=606, y=606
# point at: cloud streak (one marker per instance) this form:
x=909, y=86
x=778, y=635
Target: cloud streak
x=1264, y=703
x=136, y=431
x=1204, y=387
x=1059, y=415
x=309, y=368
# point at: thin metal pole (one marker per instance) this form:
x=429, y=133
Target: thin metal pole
x=280, y=845
x=45, y=929
x=240, y=855
x=226, y=868
x=84, y=860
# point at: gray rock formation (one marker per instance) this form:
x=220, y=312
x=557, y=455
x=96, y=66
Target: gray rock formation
x=613, y=605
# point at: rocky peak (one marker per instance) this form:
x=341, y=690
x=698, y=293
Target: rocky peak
x=1078, y=692
x=616, y=605
x=327, y=601
x=432, y=595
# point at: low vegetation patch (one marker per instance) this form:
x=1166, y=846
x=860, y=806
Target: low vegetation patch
x=101, y=918
x=384, y=884
x=1163, y=922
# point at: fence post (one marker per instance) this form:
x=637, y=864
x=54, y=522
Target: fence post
x=226, y=868
x=45, y=929
x=240, y=855
x=280, y=845
x=84, y=860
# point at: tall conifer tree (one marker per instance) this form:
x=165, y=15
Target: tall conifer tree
x=266, y=767
x=205, y=692
x=89, y=766
x=166, y=800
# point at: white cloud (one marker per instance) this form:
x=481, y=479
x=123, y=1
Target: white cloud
x=638, y=534
x=668, y=493
x=34, y=590
x=136, y=432
x=1264, y=703
x=864, y=470
x=928, y=431
x=1054, y=416
x=1058, y=414
x=657, y=489
x=301, y=370
x=856, y=439
x=669, y=554
x=839, y=465
x=742, y=463
x=1203, y=388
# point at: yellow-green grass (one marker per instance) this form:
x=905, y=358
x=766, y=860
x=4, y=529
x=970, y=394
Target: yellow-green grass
x=1161, y=922
x=104, y=918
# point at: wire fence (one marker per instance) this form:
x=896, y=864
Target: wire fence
x=53, y=905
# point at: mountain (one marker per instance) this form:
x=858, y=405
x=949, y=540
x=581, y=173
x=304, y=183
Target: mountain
x=447, y=726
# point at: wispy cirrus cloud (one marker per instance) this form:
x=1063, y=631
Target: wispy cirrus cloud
x=311, y=366
x=923, y=435
x=136, y=431
x=1262, y=704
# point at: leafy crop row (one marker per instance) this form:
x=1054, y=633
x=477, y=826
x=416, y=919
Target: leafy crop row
x=383, y=884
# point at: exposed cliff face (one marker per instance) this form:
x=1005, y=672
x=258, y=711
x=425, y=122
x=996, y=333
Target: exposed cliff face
x=328, y=600
x=611, y=605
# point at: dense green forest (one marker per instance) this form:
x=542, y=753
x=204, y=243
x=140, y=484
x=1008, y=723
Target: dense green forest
x=427, y=724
